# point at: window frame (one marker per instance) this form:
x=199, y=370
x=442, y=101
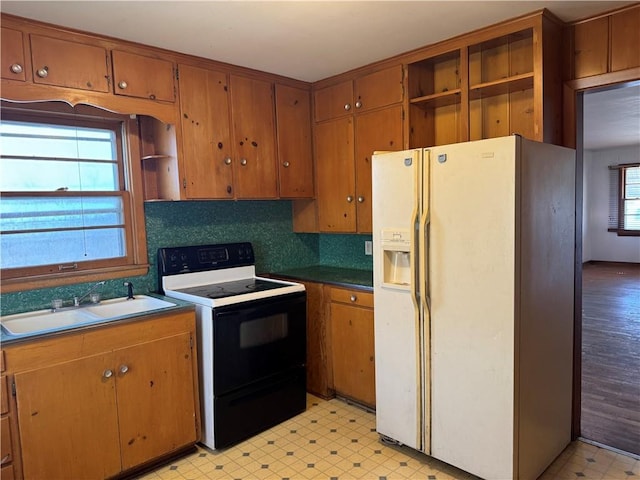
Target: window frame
x=135, y=263
x=620, y=194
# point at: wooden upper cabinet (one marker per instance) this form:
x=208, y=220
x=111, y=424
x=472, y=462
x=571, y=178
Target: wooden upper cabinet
x=380, y=130
x=206, y=138
x=253, y=134
x=378, y=89
x=591, y=47
x=334, y=101
x=625, y=39
x=335, y=175
x=13, y=65
x=144, y=77
x=69, y=64
x=295, y=162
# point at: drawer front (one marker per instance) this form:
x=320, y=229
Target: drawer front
x=353, y=297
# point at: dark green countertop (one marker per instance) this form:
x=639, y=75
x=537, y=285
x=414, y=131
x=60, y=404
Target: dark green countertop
x=346, y=277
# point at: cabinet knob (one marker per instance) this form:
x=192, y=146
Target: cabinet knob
x=5, y=459
x=358, y=104
x=107, y=373
x=360, y=199
x=243, y=162
x=349, y=199
x=285, y=164
x=124, y=369
x=43, y=72
x=16, y=68
x=347, y=106
x=122, y=84
x=353, y=298
x=227, y=161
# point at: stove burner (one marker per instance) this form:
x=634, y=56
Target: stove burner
x=230, y=289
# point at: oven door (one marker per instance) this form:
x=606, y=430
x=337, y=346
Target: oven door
x=257, y=339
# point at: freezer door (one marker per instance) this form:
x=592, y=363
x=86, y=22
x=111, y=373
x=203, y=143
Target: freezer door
x=396, y=179
x=471, y=289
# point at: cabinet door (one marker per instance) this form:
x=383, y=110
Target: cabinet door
x=625, y=39
x=156, y=408
x=352, y=344
x=335, y=175
x=318, y=336
x=334, y=101
x=68, y=420
x=144, y=77
x=375, y=131
x=379, y=89
x=590, y=49
x=13, y=66
x=69, y=64
x=252, y=113
x=206, y=139
x=293, y=126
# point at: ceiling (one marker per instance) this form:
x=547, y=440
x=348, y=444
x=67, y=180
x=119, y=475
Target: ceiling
x=305, y=40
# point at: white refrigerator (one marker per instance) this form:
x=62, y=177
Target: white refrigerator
x=473, y=249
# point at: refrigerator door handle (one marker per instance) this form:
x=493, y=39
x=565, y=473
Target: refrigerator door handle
x=425, y=224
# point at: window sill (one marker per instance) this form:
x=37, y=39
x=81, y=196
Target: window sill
x=625, y=233
x=56, y=280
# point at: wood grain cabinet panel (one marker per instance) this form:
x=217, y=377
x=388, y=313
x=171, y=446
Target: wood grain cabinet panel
x=625, y=39
x=591, y=47
x=333, y=101
x=378, y=89
x=352, y=344
x=13, y=60
x=253, y=134
x=63, y=63
x=293, y=127
x=206, y=133
x=143, y=77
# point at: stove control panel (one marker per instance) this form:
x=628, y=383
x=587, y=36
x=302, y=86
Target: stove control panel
x=199, y=258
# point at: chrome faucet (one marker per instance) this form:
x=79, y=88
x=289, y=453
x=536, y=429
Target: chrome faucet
x=78, y=300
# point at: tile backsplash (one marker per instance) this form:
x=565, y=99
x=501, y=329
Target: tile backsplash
x=266, y=224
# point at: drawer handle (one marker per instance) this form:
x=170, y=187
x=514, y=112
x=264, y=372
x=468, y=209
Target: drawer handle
x=353, y=298
x=43, y=72
x=122, y=84
x=16, y=68
x=108, y=373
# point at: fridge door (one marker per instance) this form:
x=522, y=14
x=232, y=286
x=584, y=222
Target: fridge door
x=471, y=289
x=396, y=179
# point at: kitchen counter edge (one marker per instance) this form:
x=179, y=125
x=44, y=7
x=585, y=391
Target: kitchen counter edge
x=342, y=277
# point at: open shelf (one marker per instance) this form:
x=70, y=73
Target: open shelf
x=499, y=87
x=442, y=99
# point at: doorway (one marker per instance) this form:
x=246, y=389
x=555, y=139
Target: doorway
x=610, y=344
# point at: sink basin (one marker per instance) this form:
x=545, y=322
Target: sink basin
x=121, y=306
x=44, y=320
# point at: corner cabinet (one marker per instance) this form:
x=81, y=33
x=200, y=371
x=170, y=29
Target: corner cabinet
x=489, y=84
x=352, y=120
x=110, y=390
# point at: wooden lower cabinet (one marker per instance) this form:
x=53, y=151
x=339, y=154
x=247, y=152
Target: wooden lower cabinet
x=352, y=345
x=318, y=354
x=88, y=413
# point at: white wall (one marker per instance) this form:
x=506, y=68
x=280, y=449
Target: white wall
x=597, y=243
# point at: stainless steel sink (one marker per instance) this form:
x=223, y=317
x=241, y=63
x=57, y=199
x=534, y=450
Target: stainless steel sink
x=45, y=320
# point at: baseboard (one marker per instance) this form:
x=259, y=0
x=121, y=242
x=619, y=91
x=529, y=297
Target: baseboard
x=607, y=447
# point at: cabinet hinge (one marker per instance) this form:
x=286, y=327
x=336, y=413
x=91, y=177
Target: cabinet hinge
x=403, y=114
x=177, y=74
x=13, y=388
x=191, y=341
x=184, y=183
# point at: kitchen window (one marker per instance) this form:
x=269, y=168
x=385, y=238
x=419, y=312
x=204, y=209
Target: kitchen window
x=69, y=210
x=624, y=199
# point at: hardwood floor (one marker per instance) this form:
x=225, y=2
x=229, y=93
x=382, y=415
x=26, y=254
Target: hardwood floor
x=611, y=355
